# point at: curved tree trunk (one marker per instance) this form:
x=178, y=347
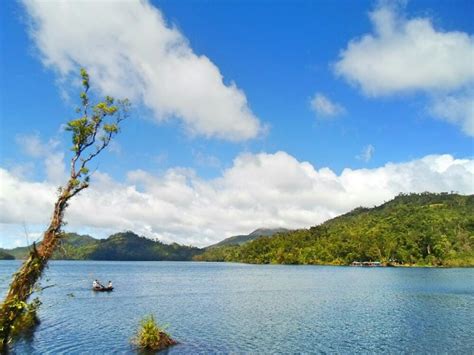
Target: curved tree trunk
x=30, y=272
x=91, y=134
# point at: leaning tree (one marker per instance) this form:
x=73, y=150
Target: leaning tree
x=91, y=134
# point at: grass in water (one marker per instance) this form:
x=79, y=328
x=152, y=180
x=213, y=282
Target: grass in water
x=151, y=337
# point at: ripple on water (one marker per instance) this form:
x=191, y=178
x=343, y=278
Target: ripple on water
x=222, y=308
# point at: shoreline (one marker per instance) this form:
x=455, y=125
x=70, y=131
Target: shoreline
x=273, y=264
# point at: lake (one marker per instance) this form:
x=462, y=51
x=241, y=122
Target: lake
x=226, y=307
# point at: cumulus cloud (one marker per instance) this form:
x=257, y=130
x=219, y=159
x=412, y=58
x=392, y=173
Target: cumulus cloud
x=367, y=153
x=258, y=190
x=32, y=145
x=324, y=107
x=405, y=55
x=457, y=109
x=130, y=51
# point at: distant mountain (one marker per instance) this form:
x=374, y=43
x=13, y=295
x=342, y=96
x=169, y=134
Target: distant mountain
x=120, y=246
x=72, y=247
x=242, y=239
x=5, y=256
x=413, y=229
x=17, y=253
x=129, y=246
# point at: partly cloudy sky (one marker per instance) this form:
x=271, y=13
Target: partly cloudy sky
x=246, y=114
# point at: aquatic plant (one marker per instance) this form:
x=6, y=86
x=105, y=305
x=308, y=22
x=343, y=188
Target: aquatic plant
x=151, y=337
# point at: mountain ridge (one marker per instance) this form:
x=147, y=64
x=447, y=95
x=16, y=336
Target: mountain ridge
x=426, y=229
x=245, y=238
x=126, y=246
x=411, y=229
x=5, y=256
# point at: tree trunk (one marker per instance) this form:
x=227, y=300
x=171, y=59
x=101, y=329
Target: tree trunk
x=99, y=127
x=30, y=272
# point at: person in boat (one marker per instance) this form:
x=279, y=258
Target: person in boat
x=109, y=285
x=96, y=284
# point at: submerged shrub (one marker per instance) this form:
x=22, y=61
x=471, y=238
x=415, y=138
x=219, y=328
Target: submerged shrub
x=151, y=337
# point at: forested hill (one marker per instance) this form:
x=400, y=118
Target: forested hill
x=120, y=246
x=414, y=229
x=245, y=238
x=5, y=256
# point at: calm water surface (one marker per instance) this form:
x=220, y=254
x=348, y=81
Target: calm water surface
x=216, y=307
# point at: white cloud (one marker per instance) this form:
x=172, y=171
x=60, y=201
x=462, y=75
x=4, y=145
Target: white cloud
x=457, y=109
x=324, y=107
x=258, y=190
x=367, y=153
x=409, y=55
x=32, y=145
x=24, y=201
x=130, y=51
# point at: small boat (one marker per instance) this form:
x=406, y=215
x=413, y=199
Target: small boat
x=102, y=289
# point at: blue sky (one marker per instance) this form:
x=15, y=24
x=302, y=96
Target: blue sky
x=278, y=56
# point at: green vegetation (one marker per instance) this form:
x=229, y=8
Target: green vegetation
x=5, y=256
x=242, y=239
x=120, y=246
x=26, y=323
x=129, y=246
x=415, y=229
x=151, y=337
x=72, y=247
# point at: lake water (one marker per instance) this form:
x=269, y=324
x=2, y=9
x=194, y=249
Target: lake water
x=224, y=307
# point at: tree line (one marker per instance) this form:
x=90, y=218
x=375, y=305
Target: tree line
x=412, y=229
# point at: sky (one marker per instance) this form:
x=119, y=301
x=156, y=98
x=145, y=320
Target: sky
x=246, y=114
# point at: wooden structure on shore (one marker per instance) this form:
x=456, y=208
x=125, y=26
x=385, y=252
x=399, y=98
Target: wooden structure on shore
x=367, y=263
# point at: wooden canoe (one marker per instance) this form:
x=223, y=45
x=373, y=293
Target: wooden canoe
x=102, y=289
